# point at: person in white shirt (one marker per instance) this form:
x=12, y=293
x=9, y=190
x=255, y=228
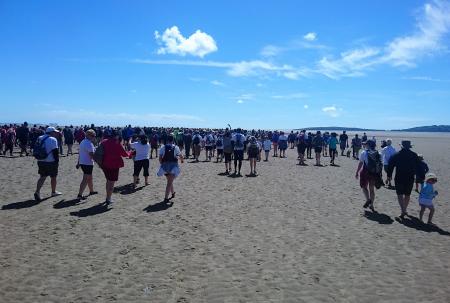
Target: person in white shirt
x=168, y=158
x=386, y=153
x=267, y=145
x=141, y=159
x=209, y=146
x=86, y=162
x=48, y=167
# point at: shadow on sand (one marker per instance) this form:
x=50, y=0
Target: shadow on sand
x=378, y=217
x=414, y=222
x=91, y=211
x=69, y=203
x=127, y=189
x=158, y=207
x=23, y=204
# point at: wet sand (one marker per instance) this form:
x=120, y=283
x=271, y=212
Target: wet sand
x=291, y=234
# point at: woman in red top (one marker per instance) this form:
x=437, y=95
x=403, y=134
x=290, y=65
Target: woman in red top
x=113, y=152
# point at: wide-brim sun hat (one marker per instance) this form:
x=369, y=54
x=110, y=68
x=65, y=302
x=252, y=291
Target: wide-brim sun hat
x=50, y=129
x=430, y=176
x=406, y=144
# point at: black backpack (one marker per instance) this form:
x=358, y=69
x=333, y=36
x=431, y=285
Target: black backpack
x=169, y=153
x=39, y=150
x=196, y=140
x=219, y=143
x=374, y=164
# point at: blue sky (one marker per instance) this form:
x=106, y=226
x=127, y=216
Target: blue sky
x=254, y=64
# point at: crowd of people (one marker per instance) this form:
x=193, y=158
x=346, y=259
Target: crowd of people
x=107, y=147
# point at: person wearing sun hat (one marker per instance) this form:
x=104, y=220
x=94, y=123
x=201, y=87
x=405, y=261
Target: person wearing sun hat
x=405, y=163
x=48, y=167
x=426, y=196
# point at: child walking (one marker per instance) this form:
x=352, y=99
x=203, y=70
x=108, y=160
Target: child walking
x=427, y=194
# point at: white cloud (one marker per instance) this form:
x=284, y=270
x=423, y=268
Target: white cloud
x=432, y=25
x=290, y=96
x=271, y=50
x=217, y=83
x=310, y=36
x=332, y=111
x=244, y=97
x=305, y=106
x=253, y=68
x=133, y=91
x=425, y=78
x=240, y=101
x=352, y=63
x=172, y=41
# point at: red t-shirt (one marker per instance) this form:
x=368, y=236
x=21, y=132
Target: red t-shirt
x=113, y=153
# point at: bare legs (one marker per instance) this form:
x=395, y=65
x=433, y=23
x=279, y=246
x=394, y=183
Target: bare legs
x=109, y=189
x=430, y=216
x=403, y=201
x=87, y=181
x=169, y=187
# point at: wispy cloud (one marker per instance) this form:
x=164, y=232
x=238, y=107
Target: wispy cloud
x=172, y=41
x=290, y=96
x=424, y=78
x=306, y=106
x=217, y=83
x=87, y=116
x=433, y=23
x=310, y=36
x=332, y=111
x=240, y=101
x=237, y=69
x=244, y=97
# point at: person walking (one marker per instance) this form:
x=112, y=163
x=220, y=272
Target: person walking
x=169, y=154
x=343, y=142
x=332, y=144
x=405, y=163
x=86, y=162
x=69, y=139
x=386, y=154
x=227, y=151
x=238, y=147
x=356, y=146
x=301, y=147
x=23, y=136
x=141, y=159
x=47, y=154
x=317, y=142
x=112, y=161
x=427, y=194
x=369, y=173
x=253, y=151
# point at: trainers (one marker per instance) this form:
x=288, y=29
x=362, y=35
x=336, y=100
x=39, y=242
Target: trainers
x=368, y=202
x=56, y=193
x=93, y=193
x=81, y=197
x=37, y=197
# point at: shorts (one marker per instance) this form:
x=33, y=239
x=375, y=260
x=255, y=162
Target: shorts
x=343, y=145
x=420, y=180
x=208, y=148
x=317, y=150
x=301, y=149
x=48, y=169
x=87, y=169
x=238, y=155
x=426, y=202
x=404, y=187
x=111, y=174
x=253, y=155
x=219, y=152
x=227, y=157
x=385, y=168
x=332, y=151
x=139, y=165
x=365, y=178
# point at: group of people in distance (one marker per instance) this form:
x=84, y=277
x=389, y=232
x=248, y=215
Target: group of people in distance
x=409, y=168
x=107, y=147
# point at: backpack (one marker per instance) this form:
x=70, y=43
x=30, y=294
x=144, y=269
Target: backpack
x=219, y=143
x=253, y=148
x=227, y=147
x=208, y=139
x=169, y=153
x=239, y=142
x=98, y=154
x=154, y=140
x=39, y=150
x=196, y=140
x=374, y=164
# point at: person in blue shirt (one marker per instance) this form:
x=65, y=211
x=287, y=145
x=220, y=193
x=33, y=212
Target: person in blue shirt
x=426, y=196
x=332, y=143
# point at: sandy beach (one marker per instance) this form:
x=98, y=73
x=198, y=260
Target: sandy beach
x=291, y=234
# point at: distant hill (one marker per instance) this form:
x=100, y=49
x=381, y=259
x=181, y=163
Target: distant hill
x=431, y=129
x=339, y=128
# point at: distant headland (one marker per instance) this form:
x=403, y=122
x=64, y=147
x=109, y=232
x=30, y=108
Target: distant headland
x=430, y=128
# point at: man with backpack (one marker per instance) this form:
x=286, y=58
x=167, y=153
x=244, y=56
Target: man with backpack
x=47, y=153
x=370, y=175
x=238, y=140
x=405, y=163
x=196, y=141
